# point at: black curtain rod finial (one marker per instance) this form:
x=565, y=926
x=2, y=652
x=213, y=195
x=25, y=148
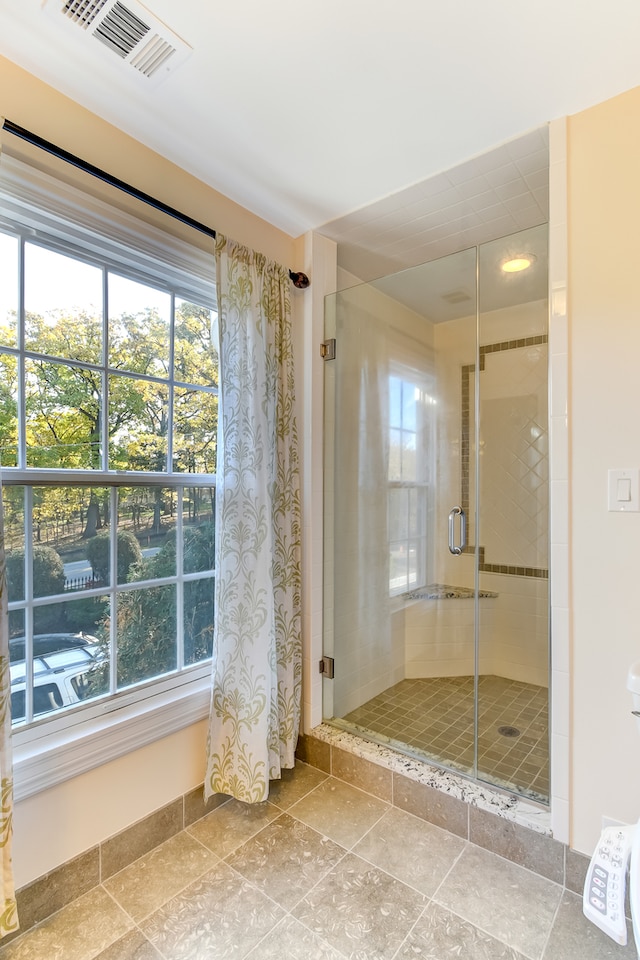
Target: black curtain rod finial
x=299, y=280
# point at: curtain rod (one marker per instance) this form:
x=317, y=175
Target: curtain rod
x=299, y=280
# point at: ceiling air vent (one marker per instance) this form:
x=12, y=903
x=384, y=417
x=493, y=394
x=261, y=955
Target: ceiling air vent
x=121, y=30
x=456, y=296
x=128, y=30
x=83, y=11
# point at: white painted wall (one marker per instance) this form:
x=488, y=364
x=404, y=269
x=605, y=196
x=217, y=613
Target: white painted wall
x=559, y=447
x=317, y=255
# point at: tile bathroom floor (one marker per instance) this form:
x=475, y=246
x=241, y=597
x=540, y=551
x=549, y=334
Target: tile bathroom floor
x=434, y=718
x=322, y=871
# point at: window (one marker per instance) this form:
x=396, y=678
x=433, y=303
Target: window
x=409, y=404
x=108, y=418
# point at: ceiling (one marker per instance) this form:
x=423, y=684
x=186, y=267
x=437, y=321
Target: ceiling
x=494, y=196
x=308, y=113
x=445, y=289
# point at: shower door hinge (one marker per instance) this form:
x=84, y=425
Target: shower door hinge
x=326, y=667
x=328, y=349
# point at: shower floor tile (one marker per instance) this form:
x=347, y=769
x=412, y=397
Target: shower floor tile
x=433, y=718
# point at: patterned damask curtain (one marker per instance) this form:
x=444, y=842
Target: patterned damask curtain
x=8, y=910
x=257, y=655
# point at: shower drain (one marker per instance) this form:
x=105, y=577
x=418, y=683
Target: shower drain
x=508, y=731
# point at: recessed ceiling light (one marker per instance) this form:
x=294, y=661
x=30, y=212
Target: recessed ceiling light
x=516, y=264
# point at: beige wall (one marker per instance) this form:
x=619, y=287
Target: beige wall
x=604, y=419
x=38, y=108
x=64, y=821
x=57, y=824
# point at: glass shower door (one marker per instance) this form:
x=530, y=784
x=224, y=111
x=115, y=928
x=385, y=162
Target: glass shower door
x=401, y=582
x=437, y=513
x=513, y=560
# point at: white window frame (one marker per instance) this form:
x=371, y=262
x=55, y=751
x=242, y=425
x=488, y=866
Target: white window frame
x=65, y=744
x=49, y=752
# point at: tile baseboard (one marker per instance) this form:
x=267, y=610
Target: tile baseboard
x=518, y=831
x=54, y=890
x=515, y=829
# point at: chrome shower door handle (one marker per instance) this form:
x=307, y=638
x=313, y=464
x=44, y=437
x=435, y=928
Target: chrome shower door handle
x=457, y=548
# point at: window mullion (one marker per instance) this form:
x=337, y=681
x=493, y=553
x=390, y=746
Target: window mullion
x=113, y=593
x=172, y=328
x=408, y=537
x=28, y=597
x=105, y=365
x=180, y=580
x=22, y=415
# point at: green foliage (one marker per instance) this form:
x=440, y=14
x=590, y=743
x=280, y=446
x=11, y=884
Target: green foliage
x=48, y=572
x=85, y=614
x=198, y=620
x=65, y=428
x=65, y=405
x=98, y=555
x=147, y=618
x=8, y=410
x=48, y=579
x=80, y=614
x=146, y=634
x=199, y=547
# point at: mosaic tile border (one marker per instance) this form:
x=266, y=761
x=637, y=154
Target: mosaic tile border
x=539, y=573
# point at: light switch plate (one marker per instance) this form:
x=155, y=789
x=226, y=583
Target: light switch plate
x=624, y=490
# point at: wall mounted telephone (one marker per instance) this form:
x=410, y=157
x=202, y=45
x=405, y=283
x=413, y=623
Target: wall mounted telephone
x=603, y=900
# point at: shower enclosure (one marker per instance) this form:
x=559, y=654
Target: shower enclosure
x=437, y=513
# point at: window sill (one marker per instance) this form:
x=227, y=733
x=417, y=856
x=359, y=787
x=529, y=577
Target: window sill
x=44, y=757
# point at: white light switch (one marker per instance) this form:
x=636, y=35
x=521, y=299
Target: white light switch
x=624, y=490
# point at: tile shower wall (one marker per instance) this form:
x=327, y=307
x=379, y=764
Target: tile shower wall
x=513, y=624
x=455, y=348
x=514, y=643
x=514, y=449
x=439, y=637
x=430, y=638
x=370, y=654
